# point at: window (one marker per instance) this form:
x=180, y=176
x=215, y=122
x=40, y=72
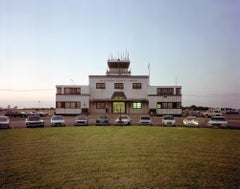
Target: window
x=68, y=105
x=165, y=91
x=100, y=105
x=118, y=85
x=59, y=90
x=136, y=105
x=164, y=105
x=168, y=105
x=72, y=91
x=178, y=91
x=137, y=85
x=60, y=104
x=179, y=105
x=100, y=86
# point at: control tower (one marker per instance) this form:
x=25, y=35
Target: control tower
x=118, y=66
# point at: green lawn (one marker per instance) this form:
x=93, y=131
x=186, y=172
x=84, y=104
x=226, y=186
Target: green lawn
x=119, y=157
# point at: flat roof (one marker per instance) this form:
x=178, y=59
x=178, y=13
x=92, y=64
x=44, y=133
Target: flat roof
x=119, y=76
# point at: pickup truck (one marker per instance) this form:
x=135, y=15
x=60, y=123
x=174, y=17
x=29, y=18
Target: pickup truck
x=211, y=113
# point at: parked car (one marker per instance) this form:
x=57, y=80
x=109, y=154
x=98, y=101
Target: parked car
x=57, y=120
x=123, y=120
x=168, y=120
x=211, y=113
x=232, y=112
x=191, y=121
x=218, y=121
x=15, y=114
x=145, y=120
x=4, y=122
x=43, y=114
x=103, y=120
x=81, y=120
x=34, y=121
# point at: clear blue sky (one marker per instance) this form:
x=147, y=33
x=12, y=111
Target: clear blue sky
x=48, y=42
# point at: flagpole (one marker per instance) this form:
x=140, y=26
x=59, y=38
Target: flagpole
x=148, y=73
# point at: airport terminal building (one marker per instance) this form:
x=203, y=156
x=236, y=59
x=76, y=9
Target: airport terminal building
x=118, y=92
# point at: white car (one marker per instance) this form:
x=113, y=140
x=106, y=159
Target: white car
x=81, y=120
x=191, y=121
x=34, y=121
x=145, y=120
x=217, y=121
x=4, y=122
x=57, y=120
x=123, y=120
x=168, y=120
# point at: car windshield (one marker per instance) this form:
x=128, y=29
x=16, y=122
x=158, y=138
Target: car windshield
x=168, y=118
x=218, y=119
x=57, y=118
x=81, y=117
x=33, y=118
x=3, y=119
x=146, y=118
x=103, y=117
x=191, y=118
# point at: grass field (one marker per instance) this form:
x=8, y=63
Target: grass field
x=119, y=157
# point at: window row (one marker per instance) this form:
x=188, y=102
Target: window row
x=102, y=105
x=69, y=91
x=169, y=105
x=68, y=105
x=119, y=86
x=168, y=91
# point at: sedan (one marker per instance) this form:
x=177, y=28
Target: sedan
x=123, y=120
x=218, y=121
x=34, y=121
x=57, y=120
x=191, y=121
x=145, y=120
x=4, y=122
x=81, y=120
x=103, y=120
x=168, y=120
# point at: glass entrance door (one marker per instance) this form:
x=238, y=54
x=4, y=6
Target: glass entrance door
x=119, y=107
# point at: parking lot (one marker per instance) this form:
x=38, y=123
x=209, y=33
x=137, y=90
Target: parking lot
x=233, y=121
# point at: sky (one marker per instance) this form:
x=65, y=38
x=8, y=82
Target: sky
x=191, y=43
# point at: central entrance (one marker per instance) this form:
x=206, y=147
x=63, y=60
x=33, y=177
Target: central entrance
x=119, y=107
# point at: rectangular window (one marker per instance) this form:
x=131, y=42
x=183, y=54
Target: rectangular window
x=165, y=91
x=164, y=105
x=137, y=85
x=136, y=105
x=169, y=105
x=179, y=105
x=66, y=90
x=72, y=91
x=178, y=91
x=100, y=86
x=59, y=90
x=118, y=86
x=68, y=105
x=60, y=105
x=100, y=105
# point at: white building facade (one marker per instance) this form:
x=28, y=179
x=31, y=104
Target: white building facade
x=118, y=92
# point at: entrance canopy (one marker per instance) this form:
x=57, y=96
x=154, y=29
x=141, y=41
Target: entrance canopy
x=119, y=96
